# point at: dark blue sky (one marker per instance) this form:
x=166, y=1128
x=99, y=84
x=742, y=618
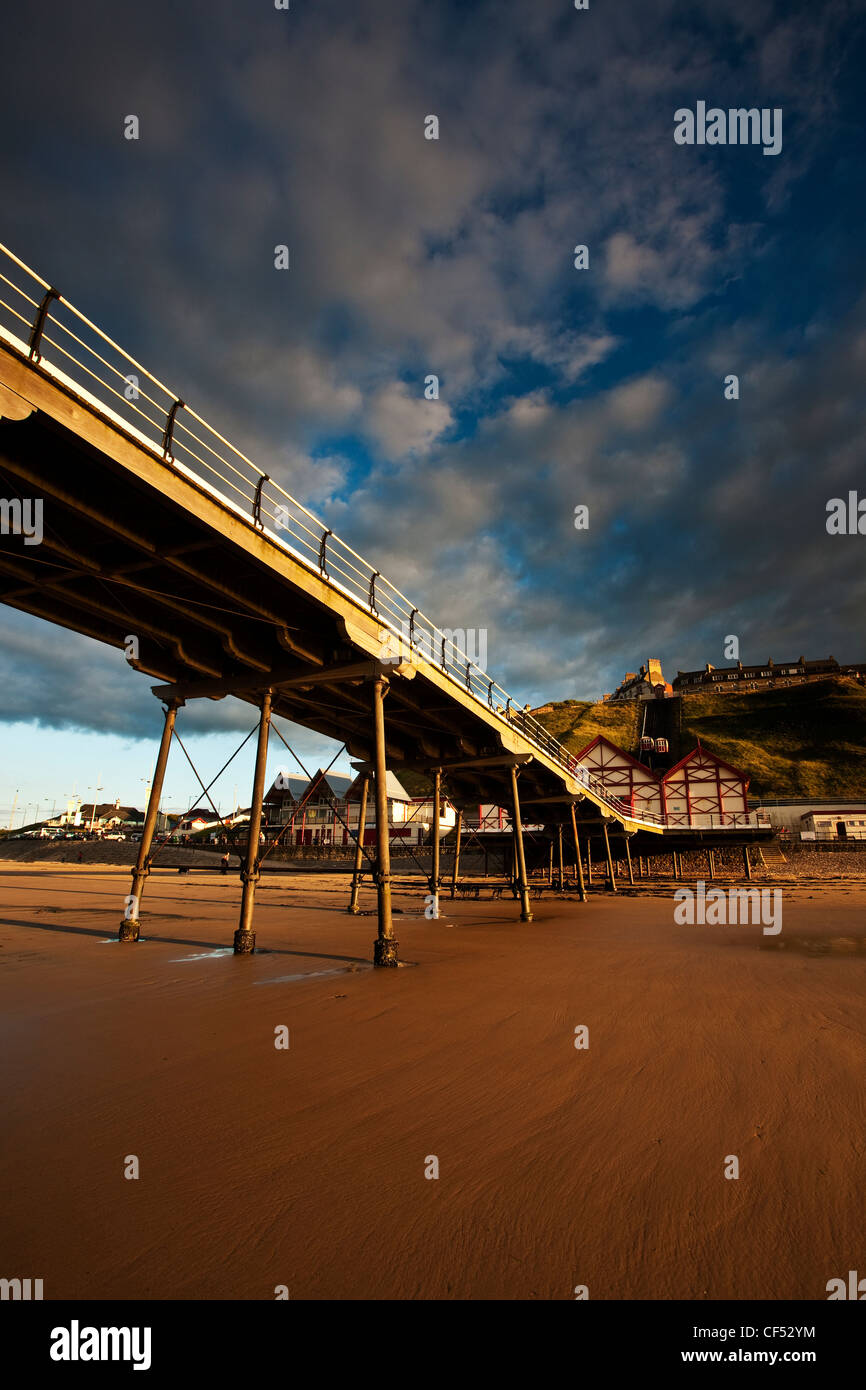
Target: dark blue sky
x=455, y=257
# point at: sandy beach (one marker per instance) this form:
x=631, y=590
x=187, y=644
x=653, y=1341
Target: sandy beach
x=305, y=1167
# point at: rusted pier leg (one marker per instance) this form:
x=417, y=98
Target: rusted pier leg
x=711, y=864
x=245, y=937
x=130, y=926
x=550, y=865
x=747, y=864
x=522, y=884
x=580, y=883
x=628, y=861
x=610, y=872
x=561, y=861
x=437, y=797
x=385, y=946
x=676, y=865
x=359, y=848
x=457, y=830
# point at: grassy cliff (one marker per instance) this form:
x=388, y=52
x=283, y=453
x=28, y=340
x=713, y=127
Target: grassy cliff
x=798, y=741
x=576, y=722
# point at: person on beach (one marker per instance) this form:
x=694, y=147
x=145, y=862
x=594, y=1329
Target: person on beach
x=224, y=863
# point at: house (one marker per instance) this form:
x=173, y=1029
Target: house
x=623, y=777
x=284, y=797
x=700, y=791
x=647, y=684
x=766, y=676
x=703, y=790
x=833, y=825
x=325, y=810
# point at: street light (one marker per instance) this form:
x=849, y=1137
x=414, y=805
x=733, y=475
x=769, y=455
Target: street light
x=95, y=791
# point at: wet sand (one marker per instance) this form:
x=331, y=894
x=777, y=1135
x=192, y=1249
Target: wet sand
x=305, y=1167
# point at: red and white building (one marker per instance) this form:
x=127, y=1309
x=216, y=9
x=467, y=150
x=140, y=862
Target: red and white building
x=623, y=777
x=702, y=791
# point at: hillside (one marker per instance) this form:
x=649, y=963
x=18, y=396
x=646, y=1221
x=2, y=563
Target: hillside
x=576, y=722
x=797, y=741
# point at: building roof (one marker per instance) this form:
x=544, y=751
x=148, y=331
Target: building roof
x=293, y=787
x=337, y=783
x=713, y=757
x=600, y=738
x=393, y=787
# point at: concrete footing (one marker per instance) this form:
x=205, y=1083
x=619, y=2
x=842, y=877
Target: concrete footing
x=385, y=951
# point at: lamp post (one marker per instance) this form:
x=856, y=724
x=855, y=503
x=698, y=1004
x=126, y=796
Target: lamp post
x=96, y=790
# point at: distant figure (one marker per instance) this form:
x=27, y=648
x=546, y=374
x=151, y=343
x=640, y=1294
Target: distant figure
x=80, y=856
x=224, y=863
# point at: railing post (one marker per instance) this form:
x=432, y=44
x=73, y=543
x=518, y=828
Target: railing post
x=168, y=436
x=39, y=325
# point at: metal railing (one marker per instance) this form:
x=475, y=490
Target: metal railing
x=38, y=323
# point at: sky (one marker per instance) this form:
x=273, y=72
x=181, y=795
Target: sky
x=601, y=387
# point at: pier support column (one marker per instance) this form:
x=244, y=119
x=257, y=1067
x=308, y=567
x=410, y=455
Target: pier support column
x=522, y=884
x=747, y=864
x=589, y=859
x=437, y=798
x=677, y=873
x=245, y=937
x=711, y=864
x=609, y=857
x=130, y=926
x=457, y=831
x=628, y=861
x=385, y=946
x=359, y=848
x=561, y=862
x=581, y=886
x=550, y=865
